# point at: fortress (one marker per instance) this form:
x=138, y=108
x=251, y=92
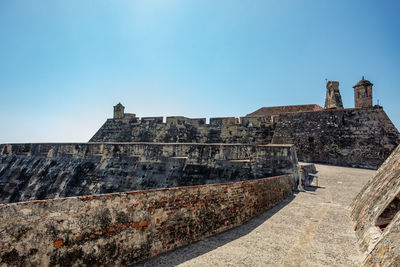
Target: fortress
x=144, y=186
x=362, y=136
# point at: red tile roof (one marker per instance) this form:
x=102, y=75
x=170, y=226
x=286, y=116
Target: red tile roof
x=269, y=111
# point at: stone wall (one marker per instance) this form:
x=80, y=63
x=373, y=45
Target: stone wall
x=347, y=137
x=120, y=229
x=44, y=171
x=375, y=212
x=185, y=130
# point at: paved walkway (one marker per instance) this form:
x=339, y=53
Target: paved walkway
x=312, y=228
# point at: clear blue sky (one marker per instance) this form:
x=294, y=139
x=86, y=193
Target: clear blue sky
x=64, y=64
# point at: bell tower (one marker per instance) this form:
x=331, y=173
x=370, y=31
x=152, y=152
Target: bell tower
x=119, y=111
x=363, y=94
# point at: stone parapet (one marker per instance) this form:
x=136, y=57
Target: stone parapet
x=124, y=228
x=186, y=130
x=43, y=171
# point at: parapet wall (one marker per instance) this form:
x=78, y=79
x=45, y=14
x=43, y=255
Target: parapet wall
x=185, y=130
x=345, y=137
x=43, y=171
x=124, y=228
x=376, y=213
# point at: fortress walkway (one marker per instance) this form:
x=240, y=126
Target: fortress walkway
x=312, y=228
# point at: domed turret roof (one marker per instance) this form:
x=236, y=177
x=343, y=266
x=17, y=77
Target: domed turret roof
x=363, y=82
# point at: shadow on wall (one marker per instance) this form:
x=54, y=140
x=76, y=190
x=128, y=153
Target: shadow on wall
x=199, y=248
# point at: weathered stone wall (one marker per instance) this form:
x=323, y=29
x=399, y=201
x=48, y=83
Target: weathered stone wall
x=347, y=137
x=185, y=130
x=380, y=193
x=44, y=171
x=120, y=229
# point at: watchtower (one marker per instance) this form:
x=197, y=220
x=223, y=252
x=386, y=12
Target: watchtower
x=119, y=111
x=333, y=98
x=363, y=94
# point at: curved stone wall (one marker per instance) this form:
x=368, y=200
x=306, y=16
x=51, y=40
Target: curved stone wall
x=376, y=212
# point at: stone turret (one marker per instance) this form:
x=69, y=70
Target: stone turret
x=119, y=111
x=363, y=94
x=333, y=98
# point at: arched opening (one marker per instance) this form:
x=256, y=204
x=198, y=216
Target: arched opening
x=388, y=213
x=366, y=92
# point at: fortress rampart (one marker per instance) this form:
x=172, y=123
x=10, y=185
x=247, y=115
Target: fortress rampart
x=254, y=130
x=345, y=137
x=142, y=186
x=360, y=137
x=43, y=171
x=123, y=228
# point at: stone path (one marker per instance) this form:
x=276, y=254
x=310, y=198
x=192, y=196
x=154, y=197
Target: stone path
x=312, y=228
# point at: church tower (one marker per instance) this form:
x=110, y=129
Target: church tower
x=333, y=98
x=363, y=94
x=119, y=111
